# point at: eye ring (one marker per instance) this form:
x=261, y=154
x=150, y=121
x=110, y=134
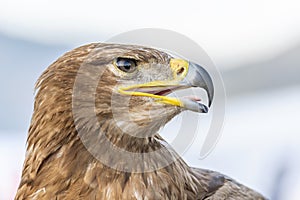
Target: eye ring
x=127, y=65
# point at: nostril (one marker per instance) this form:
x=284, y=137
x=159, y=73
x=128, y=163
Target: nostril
x=180, y=71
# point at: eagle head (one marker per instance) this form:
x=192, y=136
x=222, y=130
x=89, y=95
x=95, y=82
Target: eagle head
x=102, y=97
x=128, y=85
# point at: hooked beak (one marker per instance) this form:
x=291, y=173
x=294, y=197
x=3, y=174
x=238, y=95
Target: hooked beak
x=197, y=76
x=186, y=75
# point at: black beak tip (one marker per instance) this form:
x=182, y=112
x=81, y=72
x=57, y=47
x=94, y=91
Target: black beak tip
x=204, y=108
x=209, y=103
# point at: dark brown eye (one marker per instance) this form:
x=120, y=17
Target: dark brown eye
x=126, y=64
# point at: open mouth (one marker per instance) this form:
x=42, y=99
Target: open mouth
x=159, y=92
x=156, y=90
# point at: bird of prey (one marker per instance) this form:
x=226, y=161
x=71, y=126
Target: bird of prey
x=116, y=94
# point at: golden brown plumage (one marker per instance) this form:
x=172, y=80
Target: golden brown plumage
x=66, y=157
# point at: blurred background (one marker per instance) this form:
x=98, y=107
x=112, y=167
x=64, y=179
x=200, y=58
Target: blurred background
x=255, y=44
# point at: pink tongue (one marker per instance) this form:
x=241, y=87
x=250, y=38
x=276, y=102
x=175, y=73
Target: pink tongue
x=193, y=98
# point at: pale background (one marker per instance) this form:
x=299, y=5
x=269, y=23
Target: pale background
x=255, y=44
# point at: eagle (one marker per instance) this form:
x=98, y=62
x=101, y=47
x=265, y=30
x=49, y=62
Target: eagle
x=94, y=129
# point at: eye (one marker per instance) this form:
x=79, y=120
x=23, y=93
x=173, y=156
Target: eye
x=126, y=64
